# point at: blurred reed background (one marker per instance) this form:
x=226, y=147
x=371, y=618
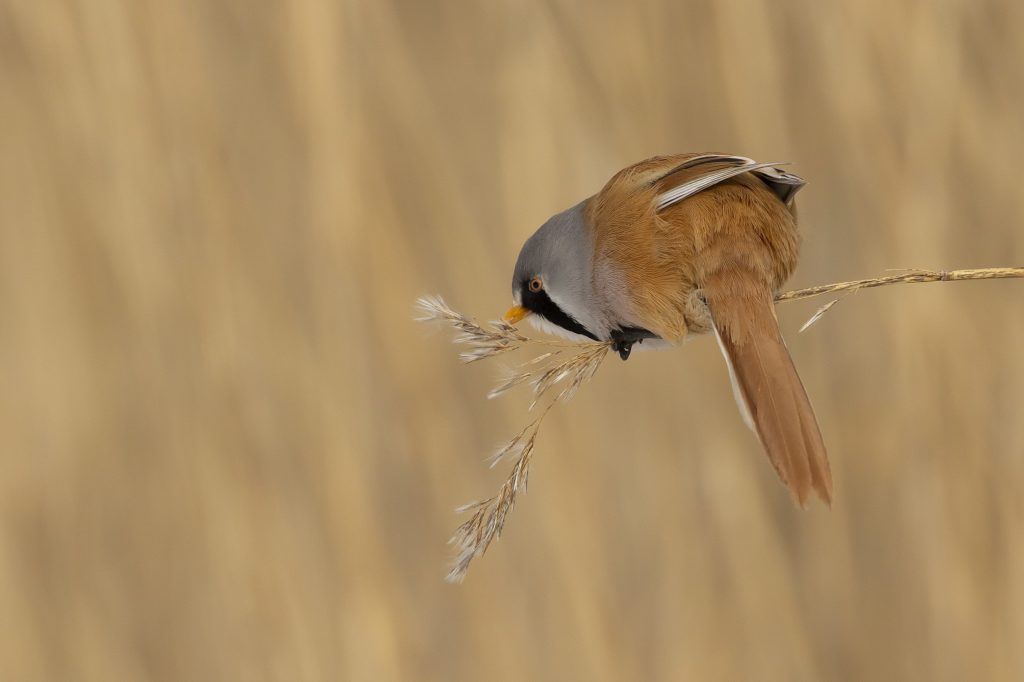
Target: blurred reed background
x=229, y=453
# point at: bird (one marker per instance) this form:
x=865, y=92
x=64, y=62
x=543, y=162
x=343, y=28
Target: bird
x=680, y=245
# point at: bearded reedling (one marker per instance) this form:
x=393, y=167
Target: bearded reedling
x=679, y=245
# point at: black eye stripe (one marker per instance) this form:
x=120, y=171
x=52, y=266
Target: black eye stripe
x=540, y=303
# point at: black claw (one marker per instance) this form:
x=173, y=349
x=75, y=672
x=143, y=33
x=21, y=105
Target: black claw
x=623, y=339
x=623, y=348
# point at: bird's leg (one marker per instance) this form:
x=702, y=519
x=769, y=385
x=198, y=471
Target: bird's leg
x=623, y=339
x=622, y=348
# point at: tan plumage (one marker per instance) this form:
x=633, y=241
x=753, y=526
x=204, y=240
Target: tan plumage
x=737, y=242
x=679, y=245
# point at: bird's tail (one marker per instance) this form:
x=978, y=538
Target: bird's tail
x=767, y=388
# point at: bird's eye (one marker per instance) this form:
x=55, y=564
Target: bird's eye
x=536, y=285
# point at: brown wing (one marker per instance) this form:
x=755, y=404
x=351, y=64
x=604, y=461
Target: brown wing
x=766, y=381
x=737, y=241
x=653, y=253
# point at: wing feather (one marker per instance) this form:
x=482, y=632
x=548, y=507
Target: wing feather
x=702, y=182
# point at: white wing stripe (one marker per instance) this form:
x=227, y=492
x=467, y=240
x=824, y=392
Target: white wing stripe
x=688, y=189
x=712, y=158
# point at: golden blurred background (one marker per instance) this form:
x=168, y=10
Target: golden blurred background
x=229, y=453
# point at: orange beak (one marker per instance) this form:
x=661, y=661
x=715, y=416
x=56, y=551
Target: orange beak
x=515, y=314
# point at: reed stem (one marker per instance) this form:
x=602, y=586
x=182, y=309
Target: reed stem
x=907, y=277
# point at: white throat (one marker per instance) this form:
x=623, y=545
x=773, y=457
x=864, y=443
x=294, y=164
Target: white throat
x=546, y=326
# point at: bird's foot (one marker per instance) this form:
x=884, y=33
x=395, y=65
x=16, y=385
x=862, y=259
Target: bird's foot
x=622, y=347
x=623, y=340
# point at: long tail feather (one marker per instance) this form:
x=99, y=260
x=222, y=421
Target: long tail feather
x=766, y=383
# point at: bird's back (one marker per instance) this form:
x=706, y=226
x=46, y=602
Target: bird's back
x=664, y=255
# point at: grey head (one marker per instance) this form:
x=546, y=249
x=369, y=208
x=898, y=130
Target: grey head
x=553, y=278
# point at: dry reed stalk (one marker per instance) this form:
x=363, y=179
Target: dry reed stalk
x=559, y=364
x=906, y=277
x=910, y=276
